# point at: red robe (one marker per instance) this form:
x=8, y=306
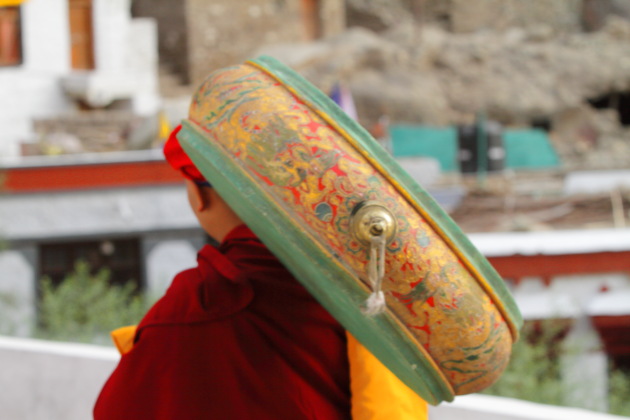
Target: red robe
x=235, y=338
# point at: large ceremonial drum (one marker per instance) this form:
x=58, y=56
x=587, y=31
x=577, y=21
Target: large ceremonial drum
x=348, y=222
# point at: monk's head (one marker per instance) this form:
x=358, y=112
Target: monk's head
x=213, y=214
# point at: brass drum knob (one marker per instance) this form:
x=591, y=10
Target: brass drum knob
x=370, y=219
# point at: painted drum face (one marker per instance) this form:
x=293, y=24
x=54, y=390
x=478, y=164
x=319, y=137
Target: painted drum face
x=299, y=159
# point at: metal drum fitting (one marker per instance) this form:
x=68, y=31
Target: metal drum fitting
x=370, y=219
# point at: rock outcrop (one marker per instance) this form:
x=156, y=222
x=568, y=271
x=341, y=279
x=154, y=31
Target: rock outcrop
x=427, y=75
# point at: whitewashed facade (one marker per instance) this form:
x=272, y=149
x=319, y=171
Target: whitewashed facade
x=44, y=84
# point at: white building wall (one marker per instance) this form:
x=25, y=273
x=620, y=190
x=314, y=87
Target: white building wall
x=111, y=35
x=164, y=261
x=126, y=61
x=32, y=89
x=583, y=289
x=142, y=59
x=49, y=381
x=17, y=294
x=46, y=37
x=486, y=407
x=585, y=367
x=585, y=364
x=567, y=296
x=44, y=380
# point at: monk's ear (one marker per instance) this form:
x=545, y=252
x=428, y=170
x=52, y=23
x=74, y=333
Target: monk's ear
x=198, y=199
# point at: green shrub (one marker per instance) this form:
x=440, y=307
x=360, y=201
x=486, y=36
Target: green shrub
x=8, y=304
x=619, y=393
x=85, y=307
x=533, y=373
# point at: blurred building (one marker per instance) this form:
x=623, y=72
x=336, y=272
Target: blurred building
x=197, y=36
x=58, y=57
x=580, y=281
x=126, y=212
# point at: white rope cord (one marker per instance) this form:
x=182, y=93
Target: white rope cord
x=375, y=303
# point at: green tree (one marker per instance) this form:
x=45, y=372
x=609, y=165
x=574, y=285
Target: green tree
x=619, y=393
x=85, y=307
x=533, y=373
x=8, y=304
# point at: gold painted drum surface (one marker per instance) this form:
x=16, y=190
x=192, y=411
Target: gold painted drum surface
x=305, y=159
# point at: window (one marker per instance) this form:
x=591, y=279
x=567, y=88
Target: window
x=81, y=36
x=10, y=36
x=120, y=256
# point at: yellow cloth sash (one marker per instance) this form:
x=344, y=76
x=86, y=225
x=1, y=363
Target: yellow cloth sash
x=377, y=394
x=123, y=338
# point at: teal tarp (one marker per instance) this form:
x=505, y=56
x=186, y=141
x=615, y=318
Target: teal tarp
x=436, y=142
x=529, y=149
x=524, y=149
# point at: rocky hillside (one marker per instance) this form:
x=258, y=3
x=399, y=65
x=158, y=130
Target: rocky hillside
x=575, y=83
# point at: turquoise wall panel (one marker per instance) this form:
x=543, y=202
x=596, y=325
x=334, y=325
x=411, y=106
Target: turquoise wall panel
x=437, y=142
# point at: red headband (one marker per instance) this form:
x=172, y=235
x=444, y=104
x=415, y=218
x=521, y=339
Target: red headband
x=179, y=160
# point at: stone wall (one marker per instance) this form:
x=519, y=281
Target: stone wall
x=172, y=38
x=517, y=77
x=224, y=32
x=96, y=131
x=332, y=15
x=473, y=15
x=560, y=15
x=377, y=15
x=596, y=12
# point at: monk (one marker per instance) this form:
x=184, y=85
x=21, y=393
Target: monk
x=236, y=337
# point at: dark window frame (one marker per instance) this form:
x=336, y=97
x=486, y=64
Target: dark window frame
x=125, y=263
